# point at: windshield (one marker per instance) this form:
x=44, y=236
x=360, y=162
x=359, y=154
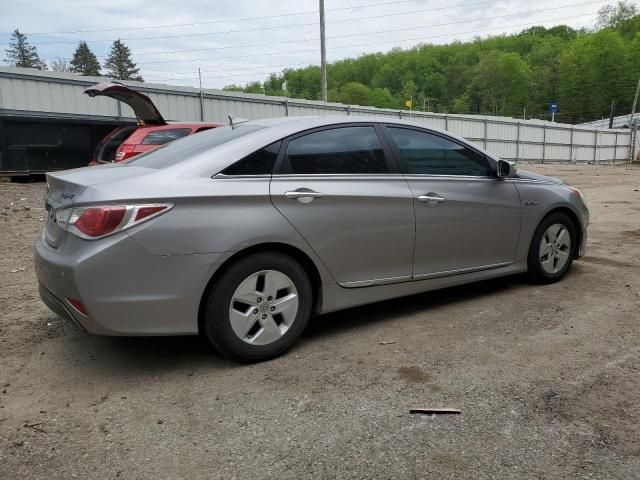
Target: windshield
x=187, y=147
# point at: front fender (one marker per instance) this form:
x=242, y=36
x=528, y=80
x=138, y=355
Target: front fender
x=538, y=201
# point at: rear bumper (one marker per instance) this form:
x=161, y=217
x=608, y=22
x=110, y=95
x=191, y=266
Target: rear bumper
x=58, y=306
x=125, y=289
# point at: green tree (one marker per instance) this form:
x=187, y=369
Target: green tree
x=21, y=54
x=233, y=88
x=354, y=93
x=543, y=60
x=274, y=85
x=409, y=90
x=611, y=16
x=84, y=61
x=381, y=98
x=119, y=64
x=592, y=73
x=462, y=104
x=253, y=87
x=502, y=82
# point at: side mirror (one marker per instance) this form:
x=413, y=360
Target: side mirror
x=505, y=169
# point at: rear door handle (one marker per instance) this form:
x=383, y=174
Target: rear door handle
x=303, y=195
x=431, y=197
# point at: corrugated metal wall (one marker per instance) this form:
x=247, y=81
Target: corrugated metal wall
x=26, y=90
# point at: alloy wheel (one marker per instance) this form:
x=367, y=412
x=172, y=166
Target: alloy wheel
x=263, y=307
x=555, y=248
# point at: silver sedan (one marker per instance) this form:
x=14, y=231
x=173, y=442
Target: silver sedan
x=243, y=232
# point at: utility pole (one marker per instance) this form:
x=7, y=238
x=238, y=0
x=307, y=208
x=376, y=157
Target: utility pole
x=201, y=97
x=632, y=125
x=613, y=109
x=323, y=55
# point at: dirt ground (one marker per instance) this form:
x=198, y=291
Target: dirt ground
x=547, y=377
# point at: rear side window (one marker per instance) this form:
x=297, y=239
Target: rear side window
x=424, y=153
x=160, y=137
x=258, y=163
x=346, y=150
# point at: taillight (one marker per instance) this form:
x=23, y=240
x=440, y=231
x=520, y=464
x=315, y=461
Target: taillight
x=144, y=212
x=101, y=220
x=124, y=152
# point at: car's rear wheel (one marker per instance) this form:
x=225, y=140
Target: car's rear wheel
x=259, y=307
x=552, y=248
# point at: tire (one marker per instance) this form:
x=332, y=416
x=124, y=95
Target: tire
x=253, y=302
x=552, y=267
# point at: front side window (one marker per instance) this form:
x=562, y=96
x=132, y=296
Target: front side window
x=346, y=150
x=424, y=153
x=260, y=162
x=160, y=137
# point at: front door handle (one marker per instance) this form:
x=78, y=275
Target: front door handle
x=431, y=197
x=303, y=195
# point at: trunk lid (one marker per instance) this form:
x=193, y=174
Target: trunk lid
x=141, y=104
x=65, y=188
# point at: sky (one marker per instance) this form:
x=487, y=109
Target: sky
x=245, y=40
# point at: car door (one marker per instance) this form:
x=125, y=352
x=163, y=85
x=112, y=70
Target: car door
x=467, y=218
x=340, y=188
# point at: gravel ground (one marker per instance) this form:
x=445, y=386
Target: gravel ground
x=547, y=377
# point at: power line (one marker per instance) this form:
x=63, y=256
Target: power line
x=185, y=35
x=256, y=18
x=365, y=44
x=241, y=74
x=240, y=69
x=396, y=41
x=412, y=39
x=378, y=32
x=271, y=69
x=241, y=19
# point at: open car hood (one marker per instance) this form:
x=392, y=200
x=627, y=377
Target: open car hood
x=141, y=104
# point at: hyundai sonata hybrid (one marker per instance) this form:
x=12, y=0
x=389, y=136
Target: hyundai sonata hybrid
x=241, y=233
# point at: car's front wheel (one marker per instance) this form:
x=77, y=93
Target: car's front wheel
x=552, y=248
x=258, y=307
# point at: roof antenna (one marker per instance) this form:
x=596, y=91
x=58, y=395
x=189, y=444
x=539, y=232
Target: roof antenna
x=233, y=121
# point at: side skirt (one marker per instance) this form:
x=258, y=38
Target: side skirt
x=336, y=297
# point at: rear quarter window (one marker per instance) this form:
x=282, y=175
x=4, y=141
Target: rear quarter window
x=260, y=162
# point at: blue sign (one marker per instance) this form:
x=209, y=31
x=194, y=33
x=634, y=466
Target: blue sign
x=553, y=107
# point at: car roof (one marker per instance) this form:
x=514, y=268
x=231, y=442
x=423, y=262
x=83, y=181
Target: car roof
x=285, y=126
x=307, y=122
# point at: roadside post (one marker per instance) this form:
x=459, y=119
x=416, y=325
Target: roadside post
x=553, y=108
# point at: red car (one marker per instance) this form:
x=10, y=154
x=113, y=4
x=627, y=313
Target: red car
x=151, y=132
